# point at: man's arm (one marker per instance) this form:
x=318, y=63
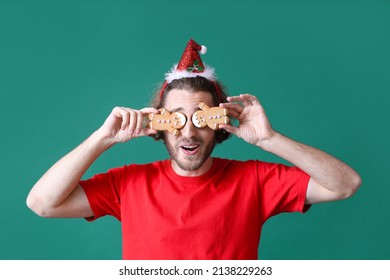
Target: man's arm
x=58, y=193
x=330, y=178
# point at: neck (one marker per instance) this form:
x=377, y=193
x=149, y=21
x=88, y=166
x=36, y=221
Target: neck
x=192, y=173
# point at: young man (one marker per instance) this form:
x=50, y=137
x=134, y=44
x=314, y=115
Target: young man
x=192, y=206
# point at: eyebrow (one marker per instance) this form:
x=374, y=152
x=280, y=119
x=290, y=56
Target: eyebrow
x=176, y=109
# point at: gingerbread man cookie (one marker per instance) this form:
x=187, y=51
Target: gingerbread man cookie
x=167, y=121
x=212, y=117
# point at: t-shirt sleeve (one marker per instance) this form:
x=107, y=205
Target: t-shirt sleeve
x=282, y=189
x=103, y=191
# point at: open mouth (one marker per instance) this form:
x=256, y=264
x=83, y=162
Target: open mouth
x=190, y=149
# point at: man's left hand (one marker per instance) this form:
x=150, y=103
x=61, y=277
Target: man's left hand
x=254, y=126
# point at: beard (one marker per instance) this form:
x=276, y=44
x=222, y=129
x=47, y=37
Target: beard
x=189, y=162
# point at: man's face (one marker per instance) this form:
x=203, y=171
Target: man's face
x=191, y=150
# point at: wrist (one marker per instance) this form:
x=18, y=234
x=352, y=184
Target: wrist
x=100, y=141
x=269, y=143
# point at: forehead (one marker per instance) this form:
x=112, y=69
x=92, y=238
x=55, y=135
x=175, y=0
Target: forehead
x=187, y=100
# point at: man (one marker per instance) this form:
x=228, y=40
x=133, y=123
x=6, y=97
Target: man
x=192, y=206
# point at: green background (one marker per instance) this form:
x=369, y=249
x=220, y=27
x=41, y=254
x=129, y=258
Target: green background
x=320, y=69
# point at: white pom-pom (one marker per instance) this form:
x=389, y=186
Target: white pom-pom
x=203, y=50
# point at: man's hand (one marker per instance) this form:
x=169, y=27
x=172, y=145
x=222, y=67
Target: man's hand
x=58, y=193
x=254, y=126
x=331, y=179
x=124, y=124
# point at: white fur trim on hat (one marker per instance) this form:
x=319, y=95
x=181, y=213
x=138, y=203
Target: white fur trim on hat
x=174, y=74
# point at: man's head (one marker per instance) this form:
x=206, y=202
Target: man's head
x=189, y=83
x=215, y=90
x=191, y=149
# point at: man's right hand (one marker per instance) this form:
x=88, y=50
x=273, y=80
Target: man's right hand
x=124, y=124
x=58, y=193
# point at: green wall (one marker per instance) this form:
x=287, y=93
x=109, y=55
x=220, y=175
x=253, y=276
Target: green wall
x=320, y=68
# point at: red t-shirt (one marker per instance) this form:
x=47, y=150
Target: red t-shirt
x=218, y=215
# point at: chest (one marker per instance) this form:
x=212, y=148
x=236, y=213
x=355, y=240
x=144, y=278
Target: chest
x=207, y=221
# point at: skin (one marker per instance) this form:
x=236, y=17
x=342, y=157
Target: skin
x=330, y=178
x=203, y=139
x=58, y=193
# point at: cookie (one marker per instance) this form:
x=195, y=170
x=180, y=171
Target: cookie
x=212, y=117
x=167, y=121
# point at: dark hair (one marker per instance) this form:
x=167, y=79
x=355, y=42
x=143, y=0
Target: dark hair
x=198, y=83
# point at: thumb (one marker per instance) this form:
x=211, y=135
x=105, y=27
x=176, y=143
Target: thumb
x=148, y=132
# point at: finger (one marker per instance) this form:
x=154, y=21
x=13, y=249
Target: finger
x=247, y=103
x=145, y=112
x=133, y=121
x=121, y=113
x=232, y=106
x=148, y=110
x=234, y=109
x=240, y=99
x=148, y=132
x=231, y=129
x=249, y=97
x=234, y=114
x=245, y=98
x=139, y=123
x=234, y=98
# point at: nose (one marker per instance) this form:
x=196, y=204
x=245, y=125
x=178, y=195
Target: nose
x=189, y=130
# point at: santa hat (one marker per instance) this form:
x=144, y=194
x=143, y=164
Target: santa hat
x=191, y=65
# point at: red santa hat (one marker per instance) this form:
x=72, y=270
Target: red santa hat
x=191, y=65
